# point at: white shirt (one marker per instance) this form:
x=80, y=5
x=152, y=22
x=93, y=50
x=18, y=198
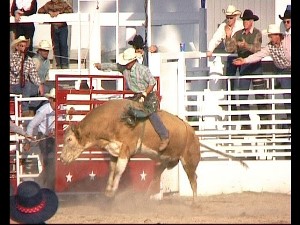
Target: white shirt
x=44, y=120
x=220, y=34
x=287, y=33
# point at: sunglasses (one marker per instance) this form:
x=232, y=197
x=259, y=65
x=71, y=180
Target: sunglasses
x=286, y=21
x=229, y=17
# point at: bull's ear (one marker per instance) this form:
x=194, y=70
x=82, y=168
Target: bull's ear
x=75, y=129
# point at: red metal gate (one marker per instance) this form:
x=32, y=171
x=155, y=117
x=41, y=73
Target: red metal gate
x=89, y=173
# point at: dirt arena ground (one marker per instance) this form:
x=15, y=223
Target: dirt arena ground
x=128, y=207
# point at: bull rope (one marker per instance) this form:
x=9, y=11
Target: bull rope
x=40, y=139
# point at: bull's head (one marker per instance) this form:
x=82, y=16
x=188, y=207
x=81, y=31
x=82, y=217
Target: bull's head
x=71, y=148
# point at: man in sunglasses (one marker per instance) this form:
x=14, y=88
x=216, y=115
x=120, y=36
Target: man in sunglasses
x=287, y=21
x=230, y=25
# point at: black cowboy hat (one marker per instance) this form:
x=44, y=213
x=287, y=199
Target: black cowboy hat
x=137, y=42
x=287, y=15
x=248, y=15
x=32, y=204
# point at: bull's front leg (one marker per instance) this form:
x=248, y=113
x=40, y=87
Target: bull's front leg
x=112, y=169
x=116, y=171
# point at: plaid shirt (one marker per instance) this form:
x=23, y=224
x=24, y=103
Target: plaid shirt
x=281, y=54
x=139, y=78
x=29, y=69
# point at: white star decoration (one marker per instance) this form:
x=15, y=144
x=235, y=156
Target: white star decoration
x=92, y=175
x=143, y=175
x=69, y=177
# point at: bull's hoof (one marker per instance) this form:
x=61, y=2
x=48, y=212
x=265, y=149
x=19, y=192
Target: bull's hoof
x=109, y=193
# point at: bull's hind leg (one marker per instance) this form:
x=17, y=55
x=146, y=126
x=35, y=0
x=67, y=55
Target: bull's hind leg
x=154, y=186
x=190, y=163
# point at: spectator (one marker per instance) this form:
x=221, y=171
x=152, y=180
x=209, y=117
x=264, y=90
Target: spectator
x=287, y=21
x=44, y=121
x=279, y=48
x=228, y=28
x=59, y=31
x=232, y=24
x=21, y=8
x=42, y=64
x=140, y=80
x=23, y=73
x=139, y=46
x=246, y=42
x=32, y=204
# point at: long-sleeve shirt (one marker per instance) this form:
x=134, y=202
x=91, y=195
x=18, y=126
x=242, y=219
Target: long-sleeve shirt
x=253, y=40
x=139, y=78
x=28, y=9
x=281, y=54
x=14, y=128
x=56, y=6
x=44, y=120
x=220, y=34
x=29, y=69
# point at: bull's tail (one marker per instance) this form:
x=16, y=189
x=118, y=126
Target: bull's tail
x=224, y=154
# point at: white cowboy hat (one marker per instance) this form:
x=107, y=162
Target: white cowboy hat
x=44, y=44
x=18, y=40
x=272, y=29
x=51, y=94
x=231, y=10
x=128, y=56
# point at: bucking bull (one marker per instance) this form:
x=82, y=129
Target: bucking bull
x=103, y=127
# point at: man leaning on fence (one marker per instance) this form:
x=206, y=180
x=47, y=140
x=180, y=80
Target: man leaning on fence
x=279, y=48
x=246, y=42
x=59, y=31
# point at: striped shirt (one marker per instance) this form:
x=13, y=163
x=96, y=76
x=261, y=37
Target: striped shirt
x=44, y=120
x=139, y=78
x=29, y=69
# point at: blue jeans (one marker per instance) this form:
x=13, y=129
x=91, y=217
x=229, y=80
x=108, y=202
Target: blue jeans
x=158, y=126
x=47, y=176
x=60, y=42
x=35, y=93
x=26, y=91
x=244, y=84
x=285, y=83
x=231, y=71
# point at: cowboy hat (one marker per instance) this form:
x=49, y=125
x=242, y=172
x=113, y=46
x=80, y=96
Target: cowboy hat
x=231, y=10
x=128, y=56
x=32, y=204
x=287, y=15
x=18, y=40
x=51, y=94
x=248, y=15
x=45, y=45
x=272, y=29
x=137, y=42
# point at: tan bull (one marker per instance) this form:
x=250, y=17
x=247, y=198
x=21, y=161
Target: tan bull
x=103, y=127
